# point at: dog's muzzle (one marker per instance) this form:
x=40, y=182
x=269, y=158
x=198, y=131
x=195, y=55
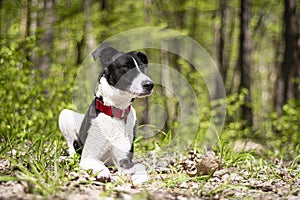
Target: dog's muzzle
x=147, y=87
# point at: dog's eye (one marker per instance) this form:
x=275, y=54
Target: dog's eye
x=127, y=66
x=124, y=69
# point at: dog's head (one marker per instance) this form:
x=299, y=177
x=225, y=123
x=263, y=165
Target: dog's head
x=125, y=71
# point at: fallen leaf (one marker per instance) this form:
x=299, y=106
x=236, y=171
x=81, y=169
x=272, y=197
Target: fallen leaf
x=207, y=164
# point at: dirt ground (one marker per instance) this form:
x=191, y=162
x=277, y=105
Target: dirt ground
x=225, y=183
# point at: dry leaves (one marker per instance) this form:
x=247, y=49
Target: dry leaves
x=208, y=164
x=197, y=165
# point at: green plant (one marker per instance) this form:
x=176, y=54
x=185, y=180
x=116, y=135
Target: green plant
x=287, y=127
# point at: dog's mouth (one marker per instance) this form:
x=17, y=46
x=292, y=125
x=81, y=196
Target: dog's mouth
x=144, y=94
x=141, y=94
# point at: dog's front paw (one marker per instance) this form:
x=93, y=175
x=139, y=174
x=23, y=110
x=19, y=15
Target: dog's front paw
x=103, y=173
x=139, y=175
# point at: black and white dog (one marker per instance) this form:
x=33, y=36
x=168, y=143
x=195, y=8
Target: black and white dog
x=107, y=130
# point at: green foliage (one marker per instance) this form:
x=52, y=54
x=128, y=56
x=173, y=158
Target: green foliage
x=276, y=133
x=30, y=102
x=28, y=118
x=234, y=127
x=287, y=127
x=288, y=123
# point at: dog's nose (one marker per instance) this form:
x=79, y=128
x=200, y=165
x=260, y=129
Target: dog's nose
x=148, y=85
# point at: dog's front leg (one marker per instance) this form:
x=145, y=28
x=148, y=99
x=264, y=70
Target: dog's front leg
x=97, y=166
x=92, y=158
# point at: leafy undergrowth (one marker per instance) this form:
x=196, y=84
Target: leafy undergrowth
x=237, y=175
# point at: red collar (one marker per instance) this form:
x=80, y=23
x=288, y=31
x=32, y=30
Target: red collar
x=111, y=110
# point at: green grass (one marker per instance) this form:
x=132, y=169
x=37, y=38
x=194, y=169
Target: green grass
x=35, y=160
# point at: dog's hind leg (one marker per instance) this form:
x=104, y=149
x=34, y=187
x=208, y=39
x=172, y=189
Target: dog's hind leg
x=137, y=171
x=69, y=124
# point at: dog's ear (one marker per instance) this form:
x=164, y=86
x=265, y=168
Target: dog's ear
x=106, y=54
x=142, y=57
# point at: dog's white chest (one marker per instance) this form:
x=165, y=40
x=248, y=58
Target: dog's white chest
x=109, y=137
x=111, y=130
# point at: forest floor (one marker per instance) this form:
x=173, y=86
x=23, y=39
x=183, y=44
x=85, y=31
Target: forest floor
x=191, y=177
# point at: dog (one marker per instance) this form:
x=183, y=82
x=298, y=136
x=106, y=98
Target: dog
x=107, y=131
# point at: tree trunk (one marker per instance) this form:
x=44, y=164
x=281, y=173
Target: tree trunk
x=222, y=57
x=145, y=101
x=245, y=60
x=232, y=23
x=148, y=12
x=46, y=41
x=289, y=73
x=24, y=20
x=88, y=41
x=103, y=4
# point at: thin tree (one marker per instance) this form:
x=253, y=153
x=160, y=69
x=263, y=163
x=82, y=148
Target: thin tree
x=245, y=60
x=222, y=56
x=46, y=41
x=289, y=73
x=88, y=41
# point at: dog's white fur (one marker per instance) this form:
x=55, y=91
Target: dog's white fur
x=135, y=87
x=113, y=96
x=109, y=140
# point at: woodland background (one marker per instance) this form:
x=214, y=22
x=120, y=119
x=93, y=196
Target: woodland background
x=256, y=45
